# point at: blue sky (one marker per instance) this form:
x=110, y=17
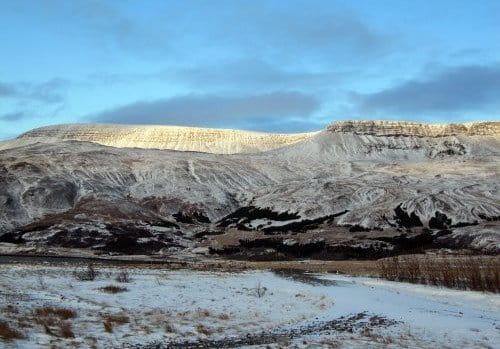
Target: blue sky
x=280, y=66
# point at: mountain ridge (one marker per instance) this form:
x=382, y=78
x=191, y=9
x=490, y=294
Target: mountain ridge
x=350, y=194
x=230, y=141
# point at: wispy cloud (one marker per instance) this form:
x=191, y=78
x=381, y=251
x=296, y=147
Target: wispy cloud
x=51, y=91
x=14, y=116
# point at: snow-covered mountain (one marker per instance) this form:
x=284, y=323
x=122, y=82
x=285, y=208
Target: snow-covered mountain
x=217, y=141
x=355, y=189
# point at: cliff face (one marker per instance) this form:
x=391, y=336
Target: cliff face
x=415, y=129
x=366, y=184
x=207, y=140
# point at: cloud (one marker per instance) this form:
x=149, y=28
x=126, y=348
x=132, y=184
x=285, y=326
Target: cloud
x=241, y=74
x=51, y=91
x=14, y=116
x=252, y=73
x=222, y=28
x=112, y=26
x=7, y=90
x=464, y=88
x=214, y=111
x=314, y=30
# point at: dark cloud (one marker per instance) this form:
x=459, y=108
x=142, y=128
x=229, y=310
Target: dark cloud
x=456, y=89
x=51, y=91
x=214, y=111
x=15, y=116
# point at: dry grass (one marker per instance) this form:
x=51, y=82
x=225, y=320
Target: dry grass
x=108, y=326
x=66, y=330
x=465, y=273
x=203, y=313
x=113, y=289
x=117, y=319
x=53, y=321
x=8, y=333
x=203, y=330
x=110, y=320
x=61, y=313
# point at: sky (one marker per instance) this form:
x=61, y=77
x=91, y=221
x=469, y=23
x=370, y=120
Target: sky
x=265, y=65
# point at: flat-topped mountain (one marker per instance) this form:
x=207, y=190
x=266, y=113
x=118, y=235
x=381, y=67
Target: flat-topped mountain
x=225, y=141
x=217, y=141
x=357, y=189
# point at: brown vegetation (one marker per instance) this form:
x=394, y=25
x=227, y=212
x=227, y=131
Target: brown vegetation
x=466, y=273
x=203, y=330
x=52, y=320
x=66, y=330
x=62, y=313
x=8, y=333
x=117, y=319
x=110, y=320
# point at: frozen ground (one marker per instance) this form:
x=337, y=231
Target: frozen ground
x=182, y=308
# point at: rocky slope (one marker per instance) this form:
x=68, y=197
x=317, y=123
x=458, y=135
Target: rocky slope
x=356, y=189
x=207, y=140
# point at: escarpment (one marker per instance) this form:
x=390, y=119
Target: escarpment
x=355, y=190
x=415, y=129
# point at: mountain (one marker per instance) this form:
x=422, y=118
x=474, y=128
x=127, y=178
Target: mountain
x=207, y=140
x=358, y=189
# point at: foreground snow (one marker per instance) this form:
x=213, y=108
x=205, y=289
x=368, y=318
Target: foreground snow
x=215, y=308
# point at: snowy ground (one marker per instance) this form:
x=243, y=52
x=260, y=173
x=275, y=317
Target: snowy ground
x=252, y=309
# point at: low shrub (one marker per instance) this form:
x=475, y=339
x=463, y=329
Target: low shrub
x=113, y=289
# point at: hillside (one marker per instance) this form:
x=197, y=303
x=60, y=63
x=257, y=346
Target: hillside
x=356, y=189
x=207, y=140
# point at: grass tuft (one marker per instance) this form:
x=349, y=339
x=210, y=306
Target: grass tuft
x=113, y=289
